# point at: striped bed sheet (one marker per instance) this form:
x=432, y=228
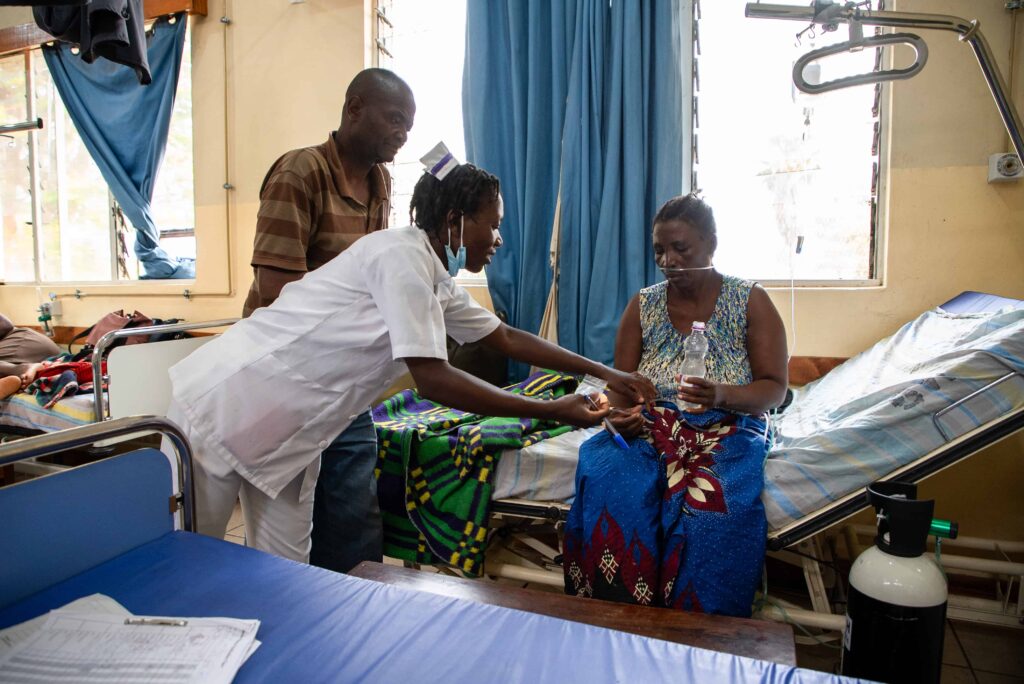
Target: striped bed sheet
x=24, y=412
x=858, y=423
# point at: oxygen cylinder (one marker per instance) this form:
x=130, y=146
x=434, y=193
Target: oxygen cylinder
x=896, y=613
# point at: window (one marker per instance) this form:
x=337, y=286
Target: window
x=60, y=222
x=792, y=178
x=407, y=31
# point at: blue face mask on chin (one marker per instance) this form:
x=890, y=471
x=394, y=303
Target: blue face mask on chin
x=456, y=262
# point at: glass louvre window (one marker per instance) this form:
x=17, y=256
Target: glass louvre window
x=60, y=222
x=407, y=30
x=792, y=177
x=16, y=243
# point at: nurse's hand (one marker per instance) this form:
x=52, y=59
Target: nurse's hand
x=632, y=386
x=629, y=422
x=575, y=409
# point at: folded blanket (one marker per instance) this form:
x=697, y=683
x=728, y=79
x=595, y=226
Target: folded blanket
x=59, y=377
x=435, y=471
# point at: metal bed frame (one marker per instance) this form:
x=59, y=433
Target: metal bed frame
x=99, y=409
x=51, y=443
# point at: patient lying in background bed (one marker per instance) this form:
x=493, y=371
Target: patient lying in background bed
x=20, y=350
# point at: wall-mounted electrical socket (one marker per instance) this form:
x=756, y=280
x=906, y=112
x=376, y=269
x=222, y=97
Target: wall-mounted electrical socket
x=1004, y=167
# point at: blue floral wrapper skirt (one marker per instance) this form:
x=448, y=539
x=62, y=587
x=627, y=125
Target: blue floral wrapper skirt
x=674, y=521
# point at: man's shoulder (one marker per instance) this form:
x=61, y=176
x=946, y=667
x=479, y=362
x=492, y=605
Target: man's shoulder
x=302, y=161
x=308, y=164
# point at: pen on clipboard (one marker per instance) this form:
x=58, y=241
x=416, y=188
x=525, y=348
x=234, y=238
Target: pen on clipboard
x=166, y=622
x=609, y=427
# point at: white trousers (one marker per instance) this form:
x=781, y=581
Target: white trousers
x=280, y=525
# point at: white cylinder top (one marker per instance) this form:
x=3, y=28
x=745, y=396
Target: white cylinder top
x=912, y=582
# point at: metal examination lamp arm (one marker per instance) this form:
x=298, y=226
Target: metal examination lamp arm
x=968, y=31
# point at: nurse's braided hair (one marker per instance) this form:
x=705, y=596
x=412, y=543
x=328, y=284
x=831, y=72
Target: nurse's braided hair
x=464, y=189
x=693, y=210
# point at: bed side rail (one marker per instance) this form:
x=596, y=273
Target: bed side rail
x=929, y=464
x=550, y=511
x=104, y=343
x=86, y=435
x=1011, y=373
x=66, y=523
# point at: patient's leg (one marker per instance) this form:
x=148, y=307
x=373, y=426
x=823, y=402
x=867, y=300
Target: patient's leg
x=612, y=548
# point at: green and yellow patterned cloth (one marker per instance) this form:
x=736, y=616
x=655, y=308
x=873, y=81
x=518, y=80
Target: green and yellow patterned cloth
x=435, y=471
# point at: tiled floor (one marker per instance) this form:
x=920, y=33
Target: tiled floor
x=236, y=527
x=971, y=654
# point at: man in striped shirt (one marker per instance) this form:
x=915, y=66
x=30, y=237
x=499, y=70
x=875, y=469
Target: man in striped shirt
x=315, y=203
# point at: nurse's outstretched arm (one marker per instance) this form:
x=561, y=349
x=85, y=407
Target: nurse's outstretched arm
x=438, y=381
x=523, y=346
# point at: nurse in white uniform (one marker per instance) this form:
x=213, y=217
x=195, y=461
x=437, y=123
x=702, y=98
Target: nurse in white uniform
x=262, y=401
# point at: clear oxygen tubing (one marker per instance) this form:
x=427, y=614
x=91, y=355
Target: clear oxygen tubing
x=668, y=271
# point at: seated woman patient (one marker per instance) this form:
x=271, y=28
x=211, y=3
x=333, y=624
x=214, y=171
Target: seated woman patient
x=676, y=520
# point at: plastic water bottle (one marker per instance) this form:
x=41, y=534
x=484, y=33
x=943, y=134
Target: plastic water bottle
x=695, y=349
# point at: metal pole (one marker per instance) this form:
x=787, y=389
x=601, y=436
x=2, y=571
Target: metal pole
x=968, y=31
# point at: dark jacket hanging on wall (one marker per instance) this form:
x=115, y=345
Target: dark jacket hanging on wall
x=114, y=29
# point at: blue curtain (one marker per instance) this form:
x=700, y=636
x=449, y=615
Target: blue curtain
x=514, y=84
x=582, y=95
x=622, y=157
x=124, y=126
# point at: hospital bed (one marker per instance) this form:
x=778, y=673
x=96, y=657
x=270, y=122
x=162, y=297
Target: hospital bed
x=137, y=382
x=108, y=528
x=945, y=387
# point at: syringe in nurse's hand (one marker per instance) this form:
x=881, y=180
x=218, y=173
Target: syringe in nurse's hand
x=590, y=385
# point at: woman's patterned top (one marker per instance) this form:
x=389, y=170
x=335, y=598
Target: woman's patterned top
x=662, y=355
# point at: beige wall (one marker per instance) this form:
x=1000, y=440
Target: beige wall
x=11, y=16
x=946, y=229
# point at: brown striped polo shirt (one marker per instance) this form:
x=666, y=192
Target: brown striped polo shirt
x=307, y=213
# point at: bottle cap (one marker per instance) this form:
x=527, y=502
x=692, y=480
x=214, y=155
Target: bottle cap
x=698, y=325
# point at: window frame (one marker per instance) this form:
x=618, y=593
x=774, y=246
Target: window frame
x=215, y=273
x=28, y=56
x=878, y=238
x=383, y=31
